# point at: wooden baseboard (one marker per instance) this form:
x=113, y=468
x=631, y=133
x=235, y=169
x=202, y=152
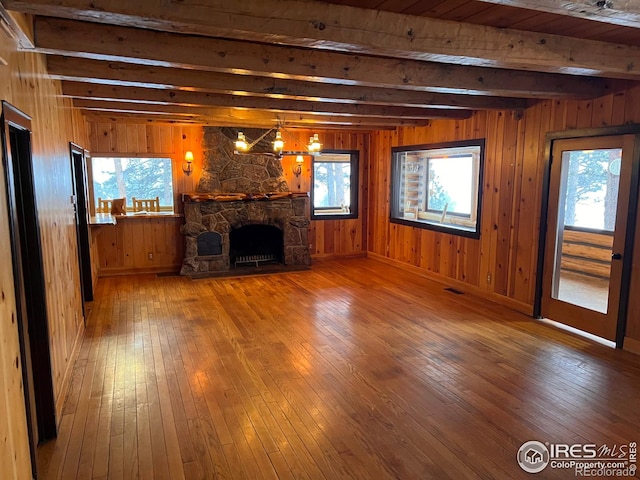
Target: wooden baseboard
x=457, y=284
x=632, y=345
x=324, y=256
x=112, y=272
x=66, y=379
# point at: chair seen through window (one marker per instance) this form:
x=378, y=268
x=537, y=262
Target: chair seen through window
x=146, y=204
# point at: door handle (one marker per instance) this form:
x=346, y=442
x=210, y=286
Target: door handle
x=616, y=256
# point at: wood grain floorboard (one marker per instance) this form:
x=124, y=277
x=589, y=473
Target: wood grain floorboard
x=353, y=369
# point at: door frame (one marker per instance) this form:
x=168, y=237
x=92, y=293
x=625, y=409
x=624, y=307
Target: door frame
x=79, y=184
x=550, y=138
x=28, y=278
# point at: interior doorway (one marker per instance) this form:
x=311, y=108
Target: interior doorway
x=28, y=273
x=81, y=208
x=586, y=247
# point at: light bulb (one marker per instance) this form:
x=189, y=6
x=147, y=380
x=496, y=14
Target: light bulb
x=278, y=143
x=241, y=142
x=315, y=143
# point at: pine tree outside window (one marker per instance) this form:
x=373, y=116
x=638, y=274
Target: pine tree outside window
x=119, y=177
x=335, y=185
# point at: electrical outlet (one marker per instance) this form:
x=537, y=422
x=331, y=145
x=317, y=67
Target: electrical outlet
x=150, y=255
x=489, y=278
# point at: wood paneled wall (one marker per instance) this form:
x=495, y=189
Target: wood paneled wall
x=333, y=237
x=141, y=244
x=504, y=241
x=24, y=84
x=166, y=140
x=327, y=237
x=502, y=263
x=125, y=247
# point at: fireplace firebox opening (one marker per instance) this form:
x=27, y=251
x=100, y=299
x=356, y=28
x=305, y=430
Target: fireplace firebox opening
x=253, y=245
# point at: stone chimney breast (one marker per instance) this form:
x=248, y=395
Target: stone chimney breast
x=242, y=193
x=226, y=172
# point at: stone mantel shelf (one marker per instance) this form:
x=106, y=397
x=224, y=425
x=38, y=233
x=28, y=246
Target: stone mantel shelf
x=240, y=197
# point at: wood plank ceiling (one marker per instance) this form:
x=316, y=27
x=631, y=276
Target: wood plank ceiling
x=367, y=64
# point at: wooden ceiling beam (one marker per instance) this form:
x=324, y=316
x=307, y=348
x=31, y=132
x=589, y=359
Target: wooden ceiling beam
x=303, y=113
x=136, y=118
x=204, y=99
x=616, y=12
x=237, y=117
x=306, y=91
x=145, y=47
x=355, y=30
x=120, y=73
x=18, y=27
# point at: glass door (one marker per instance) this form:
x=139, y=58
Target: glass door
x=588, y=200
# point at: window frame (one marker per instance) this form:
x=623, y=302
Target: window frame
x=164, y=210
x=459, y=224
x=354, y=187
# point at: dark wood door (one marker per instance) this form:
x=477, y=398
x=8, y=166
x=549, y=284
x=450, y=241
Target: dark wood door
x=81, y=207
x=28, y=274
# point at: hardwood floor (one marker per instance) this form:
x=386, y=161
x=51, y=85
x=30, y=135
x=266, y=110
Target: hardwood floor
x=353, y=369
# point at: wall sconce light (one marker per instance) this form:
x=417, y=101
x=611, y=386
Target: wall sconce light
x=297, y=167
x=187, y=165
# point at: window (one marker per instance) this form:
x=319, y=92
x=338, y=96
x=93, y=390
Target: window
x=438, y=186
x=592, y=188
x=335, y=185
x=142, y=178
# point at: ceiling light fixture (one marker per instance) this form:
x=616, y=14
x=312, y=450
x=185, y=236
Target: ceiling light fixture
x=278, y=143
x=241, y=143
x=314, y=144
x=244, y=147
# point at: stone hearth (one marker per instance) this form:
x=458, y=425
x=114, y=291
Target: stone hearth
x=236, y=191
x=287, y=214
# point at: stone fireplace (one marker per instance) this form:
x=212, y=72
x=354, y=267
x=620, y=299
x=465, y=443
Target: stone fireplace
x=242, y=214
